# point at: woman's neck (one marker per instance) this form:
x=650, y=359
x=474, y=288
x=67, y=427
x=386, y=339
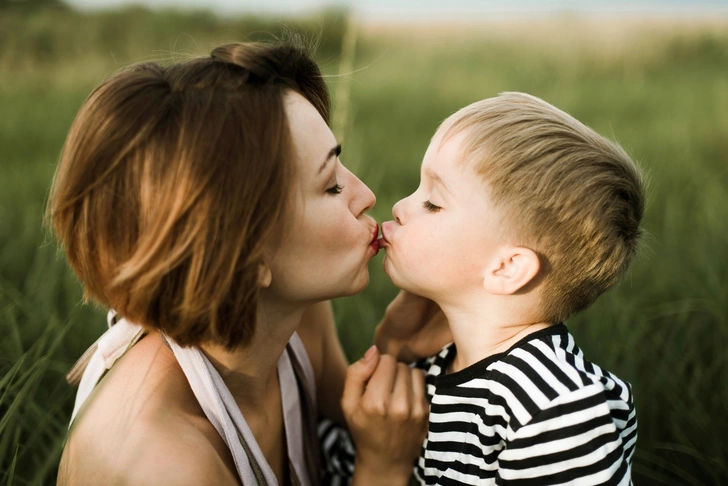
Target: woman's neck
x=249, y=371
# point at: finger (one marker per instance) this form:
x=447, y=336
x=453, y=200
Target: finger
x=402, y=392
x=435, y=334
x=357, y=376
x=404, y=296
x=411, y=299
x=379, y=387
x=405, y=302
x=434, y=311
x=419, y=388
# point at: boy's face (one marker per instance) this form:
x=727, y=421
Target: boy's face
x=446, y=232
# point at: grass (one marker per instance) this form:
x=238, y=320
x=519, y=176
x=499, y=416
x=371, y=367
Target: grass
x=658, y=87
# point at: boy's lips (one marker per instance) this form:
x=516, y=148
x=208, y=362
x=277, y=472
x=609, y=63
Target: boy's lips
x=384, y=240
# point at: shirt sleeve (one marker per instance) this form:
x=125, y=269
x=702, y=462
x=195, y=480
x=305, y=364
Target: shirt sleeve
x=577, y=439
x=337, y=454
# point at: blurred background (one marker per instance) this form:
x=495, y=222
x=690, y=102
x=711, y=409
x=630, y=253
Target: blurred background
x=652, y=75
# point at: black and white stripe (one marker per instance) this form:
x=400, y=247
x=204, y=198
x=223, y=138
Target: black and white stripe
x=337, y=454
x=538, y=414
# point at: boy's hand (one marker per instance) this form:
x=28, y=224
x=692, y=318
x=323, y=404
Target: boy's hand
x=413, y=327
x=386, y=410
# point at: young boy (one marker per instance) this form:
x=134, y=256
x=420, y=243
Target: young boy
x=523, y=217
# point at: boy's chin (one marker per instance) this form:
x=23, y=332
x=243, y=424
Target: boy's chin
x=401, y=282
x=404, y=284
x=392, y=276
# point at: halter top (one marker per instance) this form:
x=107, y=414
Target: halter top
x=297, y=386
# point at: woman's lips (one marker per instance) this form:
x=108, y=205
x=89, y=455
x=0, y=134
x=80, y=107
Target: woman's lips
x=374, y=244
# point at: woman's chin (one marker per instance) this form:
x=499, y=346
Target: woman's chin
x=362, y=285
x=356, y=286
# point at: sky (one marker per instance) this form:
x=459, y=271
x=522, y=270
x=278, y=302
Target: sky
x=426, y=9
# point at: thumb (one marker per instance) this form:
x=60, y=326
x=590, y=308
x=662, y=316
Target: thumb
x=357, y=377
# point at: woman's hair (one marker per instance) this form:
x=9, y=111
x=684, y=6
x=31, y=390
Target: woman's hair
x=566, y=192
x=172, y=180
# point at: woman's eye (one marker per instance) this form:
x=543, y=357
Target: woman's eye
x=335, y=189
x=430, y=207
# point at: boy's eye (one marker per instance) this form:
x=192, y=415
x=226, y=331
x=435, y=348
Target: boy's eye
x=430, y=207
x=336, y=189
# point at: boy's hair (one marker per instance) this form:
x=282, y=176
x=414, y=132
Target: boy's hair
x=566, y=192
x=171, y=181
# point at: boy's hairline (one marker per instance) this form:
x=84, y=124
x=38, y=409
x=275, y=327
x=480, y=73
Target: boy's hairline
x=471, y=155
x=469, y=158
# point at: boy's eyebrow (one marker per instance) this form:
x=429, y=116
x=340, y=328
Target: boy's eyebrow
x=435, y=177
x=334, y=152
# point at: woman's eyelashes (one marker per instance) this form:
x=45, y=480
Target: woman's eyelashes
x=430, y=207
x=335, y=189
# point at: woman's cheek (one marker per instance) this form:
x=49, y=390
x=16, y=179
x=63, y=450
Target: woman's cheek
x=337, y=236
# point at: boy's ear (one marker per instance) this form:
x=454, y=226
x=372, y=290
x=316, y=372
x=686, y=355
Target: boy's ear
x=510, y=270
x=265, y=276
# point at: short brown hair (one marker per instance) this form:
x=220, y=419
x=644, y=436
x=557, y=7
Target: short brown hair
x=566, y=192
x=173, y=178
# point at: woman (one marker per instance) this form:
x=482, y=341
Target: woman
x=205, y=203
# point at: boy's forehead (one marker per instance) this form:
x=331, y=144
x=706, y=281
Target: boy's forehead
x=446, y=160
x=442, y=134
x=447, y=146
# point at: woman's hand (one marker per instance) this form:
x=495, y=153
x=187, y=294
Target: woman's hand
x=413, y=327
x=386, y=410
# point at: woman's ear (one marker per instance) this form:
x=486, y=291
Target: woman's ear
x=510, y=270
x=265, y=276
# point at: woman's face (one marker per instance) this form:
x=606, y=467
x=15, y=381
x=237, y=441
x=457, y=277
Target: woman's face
x=329, y=241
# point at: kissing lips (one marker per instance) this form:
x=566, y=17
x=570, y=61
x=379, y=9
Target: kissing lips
x=374, y=244
x=384, y=241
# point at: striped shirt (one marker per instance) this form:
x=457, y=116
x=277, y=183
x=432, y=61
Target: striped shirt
x=538, y=414
x=337, y=454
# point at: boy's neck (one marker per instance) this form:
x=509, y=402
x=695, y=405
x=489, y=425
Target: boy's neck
x=484, y=330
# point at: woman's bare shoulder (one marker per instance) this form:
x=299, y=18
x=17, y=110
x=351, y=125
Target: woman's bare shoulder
x=157, y=457
x=143, y=425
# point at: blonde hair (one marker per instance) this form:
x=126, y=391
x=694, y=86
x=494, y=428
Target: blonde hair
x=172, y=180
x=566, y=192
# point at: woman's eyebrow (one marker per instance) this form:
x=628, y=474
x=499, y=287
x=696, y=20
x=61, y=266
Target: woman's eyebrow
x=335, y=152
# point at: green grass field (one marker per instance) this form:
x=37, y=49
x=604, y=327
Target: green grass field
x=659, y=87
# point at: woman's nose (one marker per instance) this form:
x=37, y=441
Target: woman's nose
x=369, y=198
x=364, y=199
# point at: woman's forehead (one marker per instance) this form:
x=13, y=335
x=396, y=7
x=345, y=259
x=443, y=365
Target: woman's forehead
x=311, y=137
